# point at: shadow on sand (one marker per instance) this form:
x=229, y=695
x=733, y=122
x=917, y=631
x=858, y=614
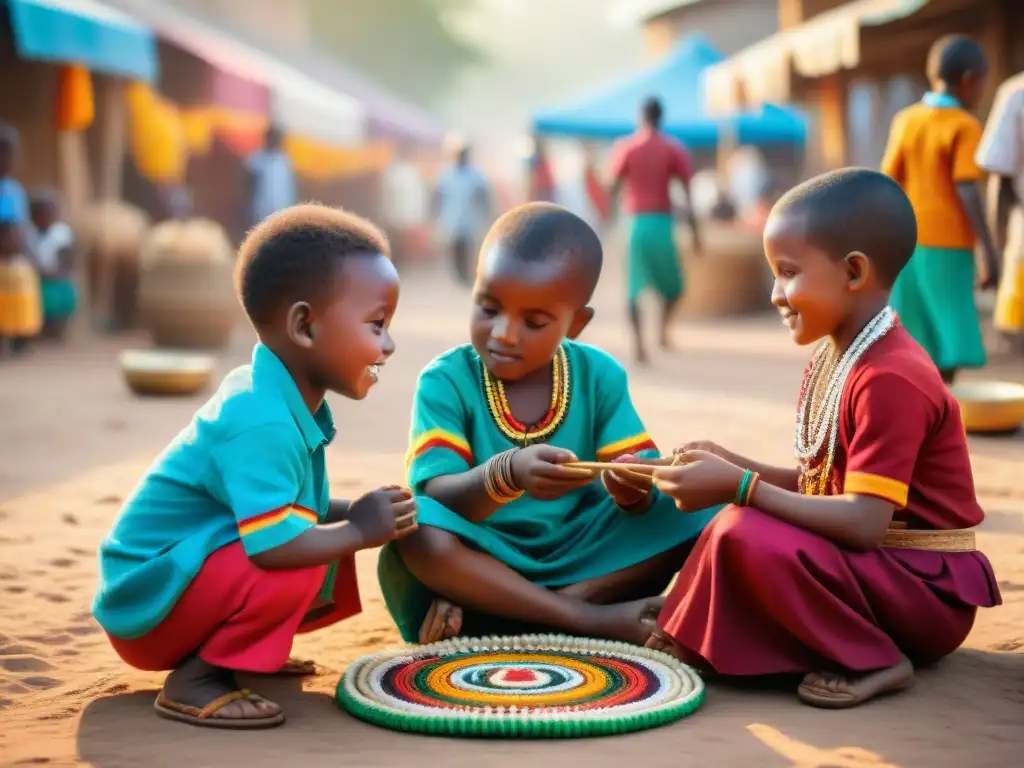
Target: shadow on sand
x=968, y=710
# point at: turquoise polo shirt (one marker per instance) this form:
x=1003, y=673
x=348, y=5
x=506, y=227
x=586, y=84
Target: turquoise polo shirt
x=250, y=466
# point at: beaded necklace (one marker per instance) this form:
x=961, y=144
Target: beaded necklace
x=501, y=412
x=818, y=412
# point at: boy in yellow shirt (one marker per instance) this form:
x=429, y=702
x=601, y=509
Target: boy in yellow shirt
x=931, y=152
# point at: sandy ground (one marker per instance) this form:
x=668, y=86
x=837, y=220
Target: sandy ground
x=73, y=442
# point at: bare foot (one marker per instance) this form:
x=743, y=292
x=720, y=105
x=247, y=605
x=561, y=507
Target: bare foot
x=659, y=641
x=298, y=668
x=192, y=693
x=630, y=622
x=829, y=690
x=443, y=621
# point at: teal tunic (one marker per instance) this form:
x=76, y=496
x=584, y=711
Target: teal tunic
x=580, y=536
x=250, y=468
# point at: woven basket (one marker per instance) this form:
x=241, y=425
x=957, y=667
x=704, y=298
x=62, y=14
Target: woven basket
x=729, y=277
x=186, y=296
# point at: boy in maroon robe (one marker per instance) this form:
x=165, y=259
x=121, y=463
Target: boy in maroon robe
x=850, y=568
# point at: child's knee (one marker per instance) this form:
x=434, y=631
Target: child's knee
x=427, y=545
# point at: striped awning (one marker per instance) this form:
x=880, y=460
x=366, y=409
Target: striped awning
x=827, y=43
x=299, y=103
x=85, y=32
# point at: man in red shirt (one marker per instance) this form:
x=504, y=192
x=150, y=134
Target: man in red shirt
x=645, y=164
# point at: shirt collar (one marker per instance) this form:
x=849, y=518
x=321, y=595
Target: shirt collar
x=945, y=100
x=317, y=428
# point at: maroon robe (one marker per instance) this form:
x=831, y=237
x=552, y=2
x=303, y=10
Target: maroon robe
x=760, y=596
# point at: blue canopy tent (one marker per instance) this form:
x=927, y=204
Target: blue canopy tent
x=86, y=32
x=678, y=82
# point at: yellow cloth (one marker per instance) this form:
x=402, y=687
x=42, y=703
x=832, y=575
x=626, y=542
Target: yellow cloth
x=1009, y=314
x=76, y=106
x=156, y=136
x=21, y=305
x=314, y=160
x=930, y=150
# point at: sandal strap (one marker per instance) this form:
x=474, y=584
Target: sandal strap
x=222, y=701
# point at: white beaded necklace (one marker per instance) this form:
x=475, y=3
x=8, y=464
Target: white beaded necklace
x=813, y=428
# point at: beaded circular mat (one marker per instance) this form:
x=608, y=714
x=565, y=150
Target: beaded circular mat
x=533, y=686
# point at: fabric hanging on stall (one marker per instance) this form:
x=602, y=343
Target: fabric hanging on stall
x=157, y=139
x=242, y=132
x=76, y=106
x=317, y=160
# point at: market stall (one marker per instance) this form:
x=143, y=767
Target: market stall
x=730, y=276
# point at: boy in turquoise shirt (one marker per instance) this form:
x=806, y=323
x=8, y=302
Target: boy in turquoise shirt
x=230, y=544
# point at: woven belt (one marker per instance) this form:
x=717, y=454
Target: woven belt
x=935, y=541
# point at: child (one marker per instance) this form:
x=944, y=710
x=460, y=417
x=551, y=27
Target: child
x=833, y=569
x=13, y=202
x=21, y=313
x=510, y=537
x=230, y=544
x=931, y=154
x=54, y=242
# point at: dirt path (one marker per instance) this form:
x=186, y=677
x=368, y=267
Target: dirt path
x=73, y=444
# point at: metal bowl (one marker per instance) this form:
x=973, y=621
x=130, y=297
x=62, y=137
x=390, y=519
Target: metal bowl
x=990, y=406
x=165, y=372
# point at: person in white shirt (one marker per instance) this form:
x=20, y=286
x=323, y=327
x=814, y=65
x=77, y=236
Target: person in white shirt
x=52, y=245
x=272, y=179
x=462, y=202
x=1001, y=153
x=405, y=201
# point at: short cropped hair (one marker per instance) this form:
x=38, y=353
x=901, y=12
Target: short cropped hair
x=856, y=209
x=652, y=111
x=43, y=198
x=953, y=56
x=8, y=135
x=294, y=255
x=541, y=232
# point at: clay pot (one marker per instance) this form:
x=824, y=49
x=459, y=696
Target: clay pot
x=729, y=277
x=186, y=295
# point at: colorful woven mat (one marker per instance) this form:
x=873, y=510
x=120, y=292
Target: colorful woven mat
x=534, y=686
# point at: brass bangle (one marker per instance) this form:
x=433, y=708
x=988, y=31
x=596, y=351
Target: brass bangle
x=498, y=481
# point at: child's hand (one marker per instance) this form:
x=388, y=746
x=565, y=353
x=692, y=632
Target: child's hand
x=988, y=275
x=702, y=480
x=627, y=489
x=708, y=447
x=537, y=470
x=383, y=515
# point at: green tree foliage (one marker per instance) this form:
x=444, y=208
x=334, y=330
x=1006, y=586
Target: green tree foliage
x=409, y=46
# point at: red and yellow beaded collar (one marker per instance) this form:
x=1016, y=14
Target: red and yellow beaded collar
x=516, y=431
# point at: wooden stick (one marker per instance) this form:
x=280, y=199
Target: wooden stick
x=601, y=466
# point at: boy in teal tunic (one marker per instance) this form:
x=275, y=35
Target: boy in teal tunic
x=230, y=544
x=509, y=537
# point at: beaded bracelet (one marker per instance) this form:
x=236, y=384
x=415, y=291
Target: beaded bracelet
x=746, y=488
x=750, y=491
x=498, y=480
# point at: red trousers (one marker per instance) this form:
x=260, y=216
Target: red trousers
x=237, y=616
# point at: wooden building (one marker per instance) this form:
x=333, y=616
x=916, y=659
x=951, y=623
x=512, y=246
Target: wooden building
x=666, y=22
x=853, y=65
